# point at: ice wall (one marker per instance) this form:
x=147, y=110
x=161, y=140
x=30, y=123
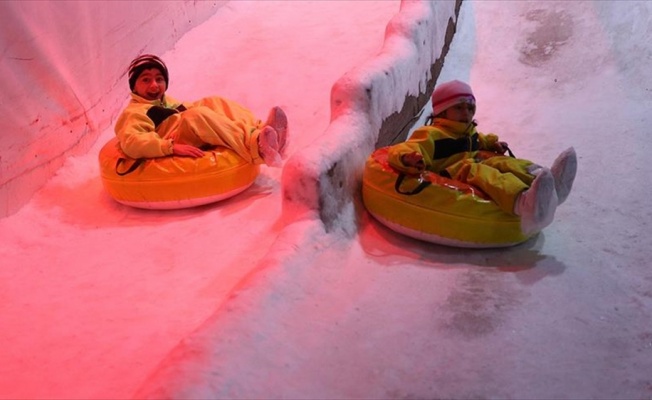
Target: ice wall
x=63, y=77
x=371, y=106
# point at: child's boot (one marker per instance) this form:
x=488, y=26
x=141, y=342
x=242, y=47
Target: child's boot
x=536, y=205
x=563, y=170
x=268, y=146
x=279, y=121
x=534, y=169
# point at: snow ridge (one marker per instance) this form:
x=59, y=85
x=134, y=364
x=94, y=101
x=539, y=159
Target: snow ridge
x=330, y=170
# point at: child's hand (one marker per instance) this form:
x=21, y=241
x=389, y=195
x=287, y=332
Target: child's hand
x=414, y=159
x=186, y=150
x=501, y=147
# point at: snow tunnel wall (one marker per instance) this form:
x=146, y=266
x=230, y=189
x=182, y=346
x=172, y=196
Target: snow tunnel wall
x=371, y=106
x=63, y=68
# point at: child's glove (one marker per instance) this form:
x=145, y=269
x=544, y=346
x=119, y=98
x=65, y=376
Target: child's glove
x=501, y=147
x=414, y=160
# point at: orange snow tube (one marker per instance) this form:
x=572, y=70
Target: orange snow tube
x=435, y=209
x=174, y=182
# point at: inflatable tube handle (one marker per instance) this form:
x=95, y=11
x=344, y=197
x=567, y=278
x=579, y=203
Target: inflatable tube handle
x=423, y=183
x=129, y=170
x=509, y=151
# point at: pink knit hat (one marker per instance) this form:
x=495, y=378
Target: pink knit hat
x=449, y=94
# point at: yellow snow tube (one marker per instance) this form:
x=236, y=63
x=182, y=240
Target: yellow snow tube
x=435, y=209
x=174, y=182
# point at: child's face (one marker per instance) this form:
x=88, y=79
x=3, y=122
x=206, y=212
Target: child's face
x=462, y=112
x=150, y=84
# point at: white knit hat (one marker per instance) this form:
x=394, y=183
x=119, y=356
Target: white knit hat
x=449, y=94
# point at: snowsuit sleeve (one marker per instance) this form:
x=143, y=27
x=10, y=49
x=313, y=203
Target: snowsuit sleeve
x=441, y=145
x=488, y=141
x=422, y=141
x=137, y=136
x=136, y=129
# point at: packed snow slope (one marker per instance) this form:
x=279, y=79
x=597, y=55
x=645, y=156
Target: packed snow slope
x=240, y=303
x=95, y=294
x=565, y=315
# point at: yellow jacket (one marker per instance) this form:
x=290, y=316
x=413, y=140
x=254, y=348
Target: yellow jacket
x=441, y=144
x=137, y=127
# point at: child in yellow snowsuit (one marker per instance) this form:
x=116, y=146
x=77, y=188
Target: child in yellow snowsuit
x=156, y=125
x=451, y=147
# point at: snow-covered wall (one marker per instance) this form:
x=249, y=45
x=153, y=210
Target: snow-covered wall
x=63, y=77
x=370, y=107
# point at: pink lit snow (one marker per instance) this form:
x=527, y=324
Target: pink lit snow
x=241, y=300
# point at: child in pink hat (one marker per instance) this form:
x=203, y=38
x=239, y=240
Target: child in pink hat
x=450, y=146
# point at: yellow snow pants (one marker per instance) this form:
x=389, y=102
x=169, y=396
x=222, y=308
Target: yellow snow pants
x=502, y=178
x=219, y=122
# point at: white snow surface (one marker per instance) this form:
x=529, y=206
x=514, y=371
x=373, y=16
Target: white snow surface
x=241, y=300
